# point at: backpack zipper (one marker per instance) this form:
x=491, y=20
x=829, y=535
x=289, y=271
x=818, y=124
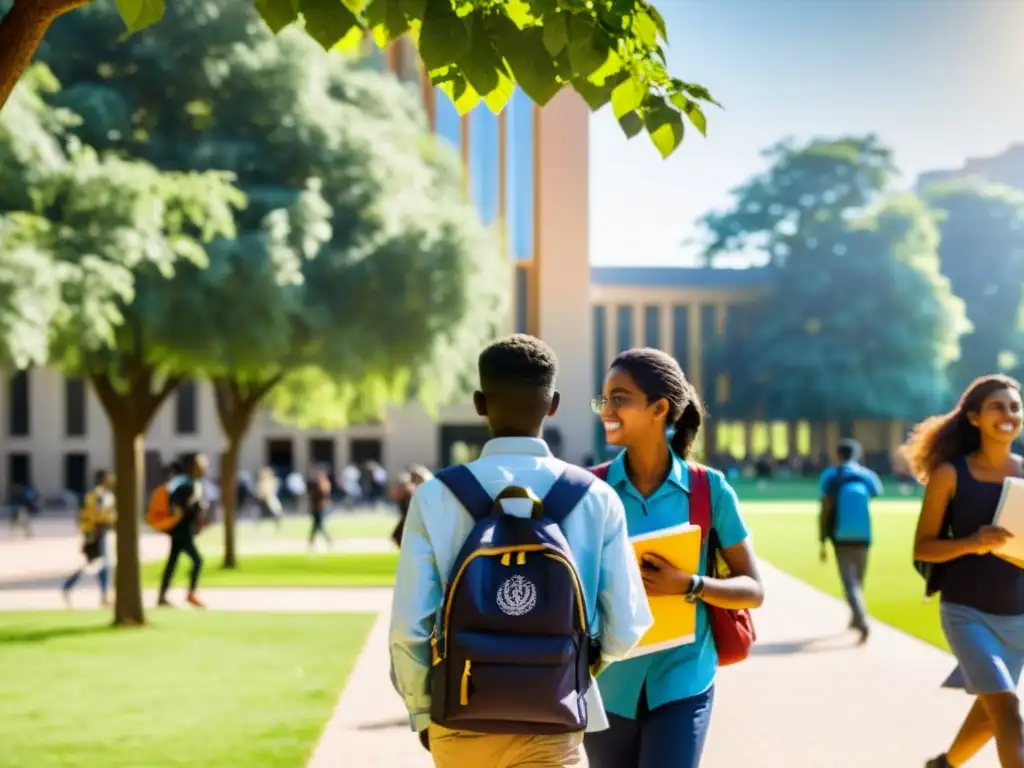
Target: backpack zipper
x=520, y=552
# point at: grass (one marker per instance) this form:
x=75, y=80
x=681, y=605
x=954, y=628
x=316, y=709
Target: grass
x=193, y=689
x=785, y=534
x=377, y=524
x=370, y=569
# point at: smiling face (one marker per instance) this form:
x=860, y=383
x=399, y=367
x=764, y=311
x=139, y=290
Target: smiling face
x=627, y=415
x=999, y=418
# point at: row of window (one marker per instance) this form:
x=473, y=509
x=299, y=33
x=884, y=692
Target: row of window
x=19, y=407
x=480, y=144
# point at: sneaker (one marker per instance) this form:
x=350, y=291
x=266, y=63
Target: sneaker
x=66, y=594
x=194, y=600
x=163, y=602
x=938, y=762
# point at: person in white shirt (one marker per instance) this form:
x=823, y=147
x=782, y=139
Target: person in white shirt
x=517, y=393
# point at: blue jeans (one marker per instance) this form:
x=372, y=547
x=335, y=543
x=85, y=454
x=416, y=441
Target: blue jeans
x=669, y=736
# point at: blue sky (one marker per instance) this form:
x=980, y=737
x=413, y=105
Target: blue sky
x=938, y=80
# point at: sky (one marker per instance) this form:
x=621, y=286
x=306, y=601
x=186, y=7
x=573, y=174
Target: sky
x=937, y=80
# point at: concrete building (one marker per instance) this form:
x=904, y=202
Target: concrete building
x=527, y=173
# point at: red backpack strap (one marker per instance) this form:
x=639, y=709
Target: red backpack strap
x=600, y=471
x=700, y=498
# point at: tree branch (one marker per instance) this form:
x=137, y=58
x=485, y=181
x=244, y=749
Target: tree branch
x=263, y=389
x=21, y=31
x=105, y=392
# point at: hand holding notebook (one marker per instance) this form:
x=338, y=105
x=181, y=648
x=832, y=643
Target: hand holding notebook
x=675, y=619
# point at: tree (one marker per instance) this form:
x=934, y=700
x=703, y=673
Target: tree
x=982, y=253
x=605, y=50
x=114, y=230
x=856, y=321
x=356, y=244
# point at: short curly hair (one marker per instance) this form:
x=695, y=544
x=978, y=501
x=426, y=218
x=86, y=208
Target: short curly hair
x=519, y=360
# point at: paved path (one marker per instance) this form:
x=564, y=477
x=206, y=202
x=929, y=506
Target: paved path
x=809, y=698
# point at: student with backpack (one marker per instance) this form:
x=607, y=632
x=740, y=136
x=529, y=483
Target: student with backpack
x=516, y=582
x=659, y=704
x=187, y=510
x=846, y=492
x=963, y=457
x=95, y=519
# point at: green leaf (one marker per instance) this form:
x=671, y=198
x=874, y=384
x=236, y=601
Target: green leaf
x=387, y=19
x=595, y=96
x=327, y=21
x=527, y=57
x=520, y=12
x=664, y=124
x=462, y=95
x=139, y=14
x=444, y=38
x=692, y=110
x=556, y=35
x=645, y=29
x=627, y=96
x=483, y=68
x=659, y=21
x=589, y=45
x=278, y=14
x=631, y=124
x=695, y=91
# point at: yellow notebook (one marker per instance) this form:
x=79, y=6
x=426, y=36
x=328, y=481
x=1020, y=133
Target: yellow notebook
x=675, y=619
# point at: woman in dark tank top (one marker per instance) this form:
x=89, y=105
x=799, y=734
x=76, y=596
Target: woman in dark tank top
x=964, y=457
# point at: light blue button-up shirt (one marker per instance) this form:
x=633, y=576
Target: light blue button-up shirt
x=436, y=528
x=677, y=673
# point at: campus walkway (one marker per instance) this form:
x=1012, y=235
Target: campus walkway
x=809, y=698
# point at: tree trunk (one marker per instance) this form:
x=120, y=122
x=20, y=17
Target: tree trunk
x=229, y=497
x=21, y=31
x=236, y=406
x=128, y=448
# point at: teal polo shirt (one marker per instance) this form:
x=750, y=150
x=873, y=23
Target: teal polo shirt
x=689, y=670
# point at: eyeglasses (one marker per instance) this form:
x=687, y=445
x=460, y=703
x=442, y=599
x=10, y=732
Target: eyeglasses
x=597, y=404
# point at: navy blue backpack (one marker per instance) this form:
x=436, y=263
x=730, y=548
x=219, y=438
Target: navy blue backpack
x=512, y=648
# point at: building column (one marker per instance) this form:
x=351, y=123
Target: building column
x=562, y=260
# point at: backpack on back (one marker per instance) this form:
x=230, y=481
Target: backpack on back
x=512, y=648
x=158, y=512
x=832, y=510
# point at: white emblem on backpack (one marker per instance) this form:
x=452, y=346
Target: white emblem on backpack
x=517, y=596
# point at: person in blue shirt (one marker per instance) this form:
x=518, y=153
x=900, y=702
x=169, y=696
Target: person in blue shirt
x=846, y=493
x=659, y=704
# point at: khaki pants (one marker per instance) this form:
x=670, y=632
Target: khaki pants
x=466, y=749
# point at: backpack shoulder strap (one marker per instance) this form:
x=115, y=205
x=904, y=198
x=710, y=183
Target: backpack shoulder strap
x=600, y=471
x=569, y=489
x=700, y=498
x=463, y=484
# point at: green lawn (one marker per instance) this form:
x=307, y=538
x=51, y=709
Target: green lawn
x=340, y=525
x=785, y=534
x=195, y=689
x=370, y=569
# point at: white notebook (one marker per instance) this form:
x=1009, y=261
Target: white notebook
x=1010, y=515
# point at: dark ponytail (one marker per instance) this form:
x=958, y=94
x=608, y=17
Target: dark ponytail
x=687, y=427
x=659, y=377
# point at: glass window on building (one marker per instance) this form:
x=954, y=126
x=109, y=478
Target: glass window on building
x=652, y=326
x=519, y=179
x=681, y=336
x=626, y=332
x=484, y=159
x=449, y=121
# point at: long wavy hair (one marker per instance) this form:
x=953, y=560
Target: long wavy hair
x=940, y=439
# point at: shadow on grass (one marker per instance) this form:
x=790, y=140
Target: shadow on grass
x=14, y=636
x=821, y=644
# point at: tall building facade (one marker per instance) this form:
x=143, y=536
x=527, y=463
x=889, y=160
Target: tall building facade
x=526, y=171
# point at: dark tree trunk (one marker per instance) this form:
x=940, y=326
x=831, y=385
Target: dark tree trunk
x=229, y=498
x=236, y=406
x=130, y=414
x=128, y=610
x=21, y=31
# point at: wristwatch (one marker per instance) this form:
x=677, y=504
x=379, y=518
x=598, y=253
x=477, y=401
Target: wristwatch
x=696, y=590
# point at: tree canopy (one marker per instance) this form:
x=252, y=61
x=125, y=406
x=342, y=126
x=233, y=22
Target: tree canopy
x=108, y=231
x=359, y=274
x=474, y=50
x=982, y=253
x=857, y=320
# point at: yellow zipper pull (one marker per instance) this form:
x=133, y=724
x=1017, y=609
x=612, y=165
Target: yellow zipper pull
x=464, y=689
x=521, y=559
x=506, y=559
